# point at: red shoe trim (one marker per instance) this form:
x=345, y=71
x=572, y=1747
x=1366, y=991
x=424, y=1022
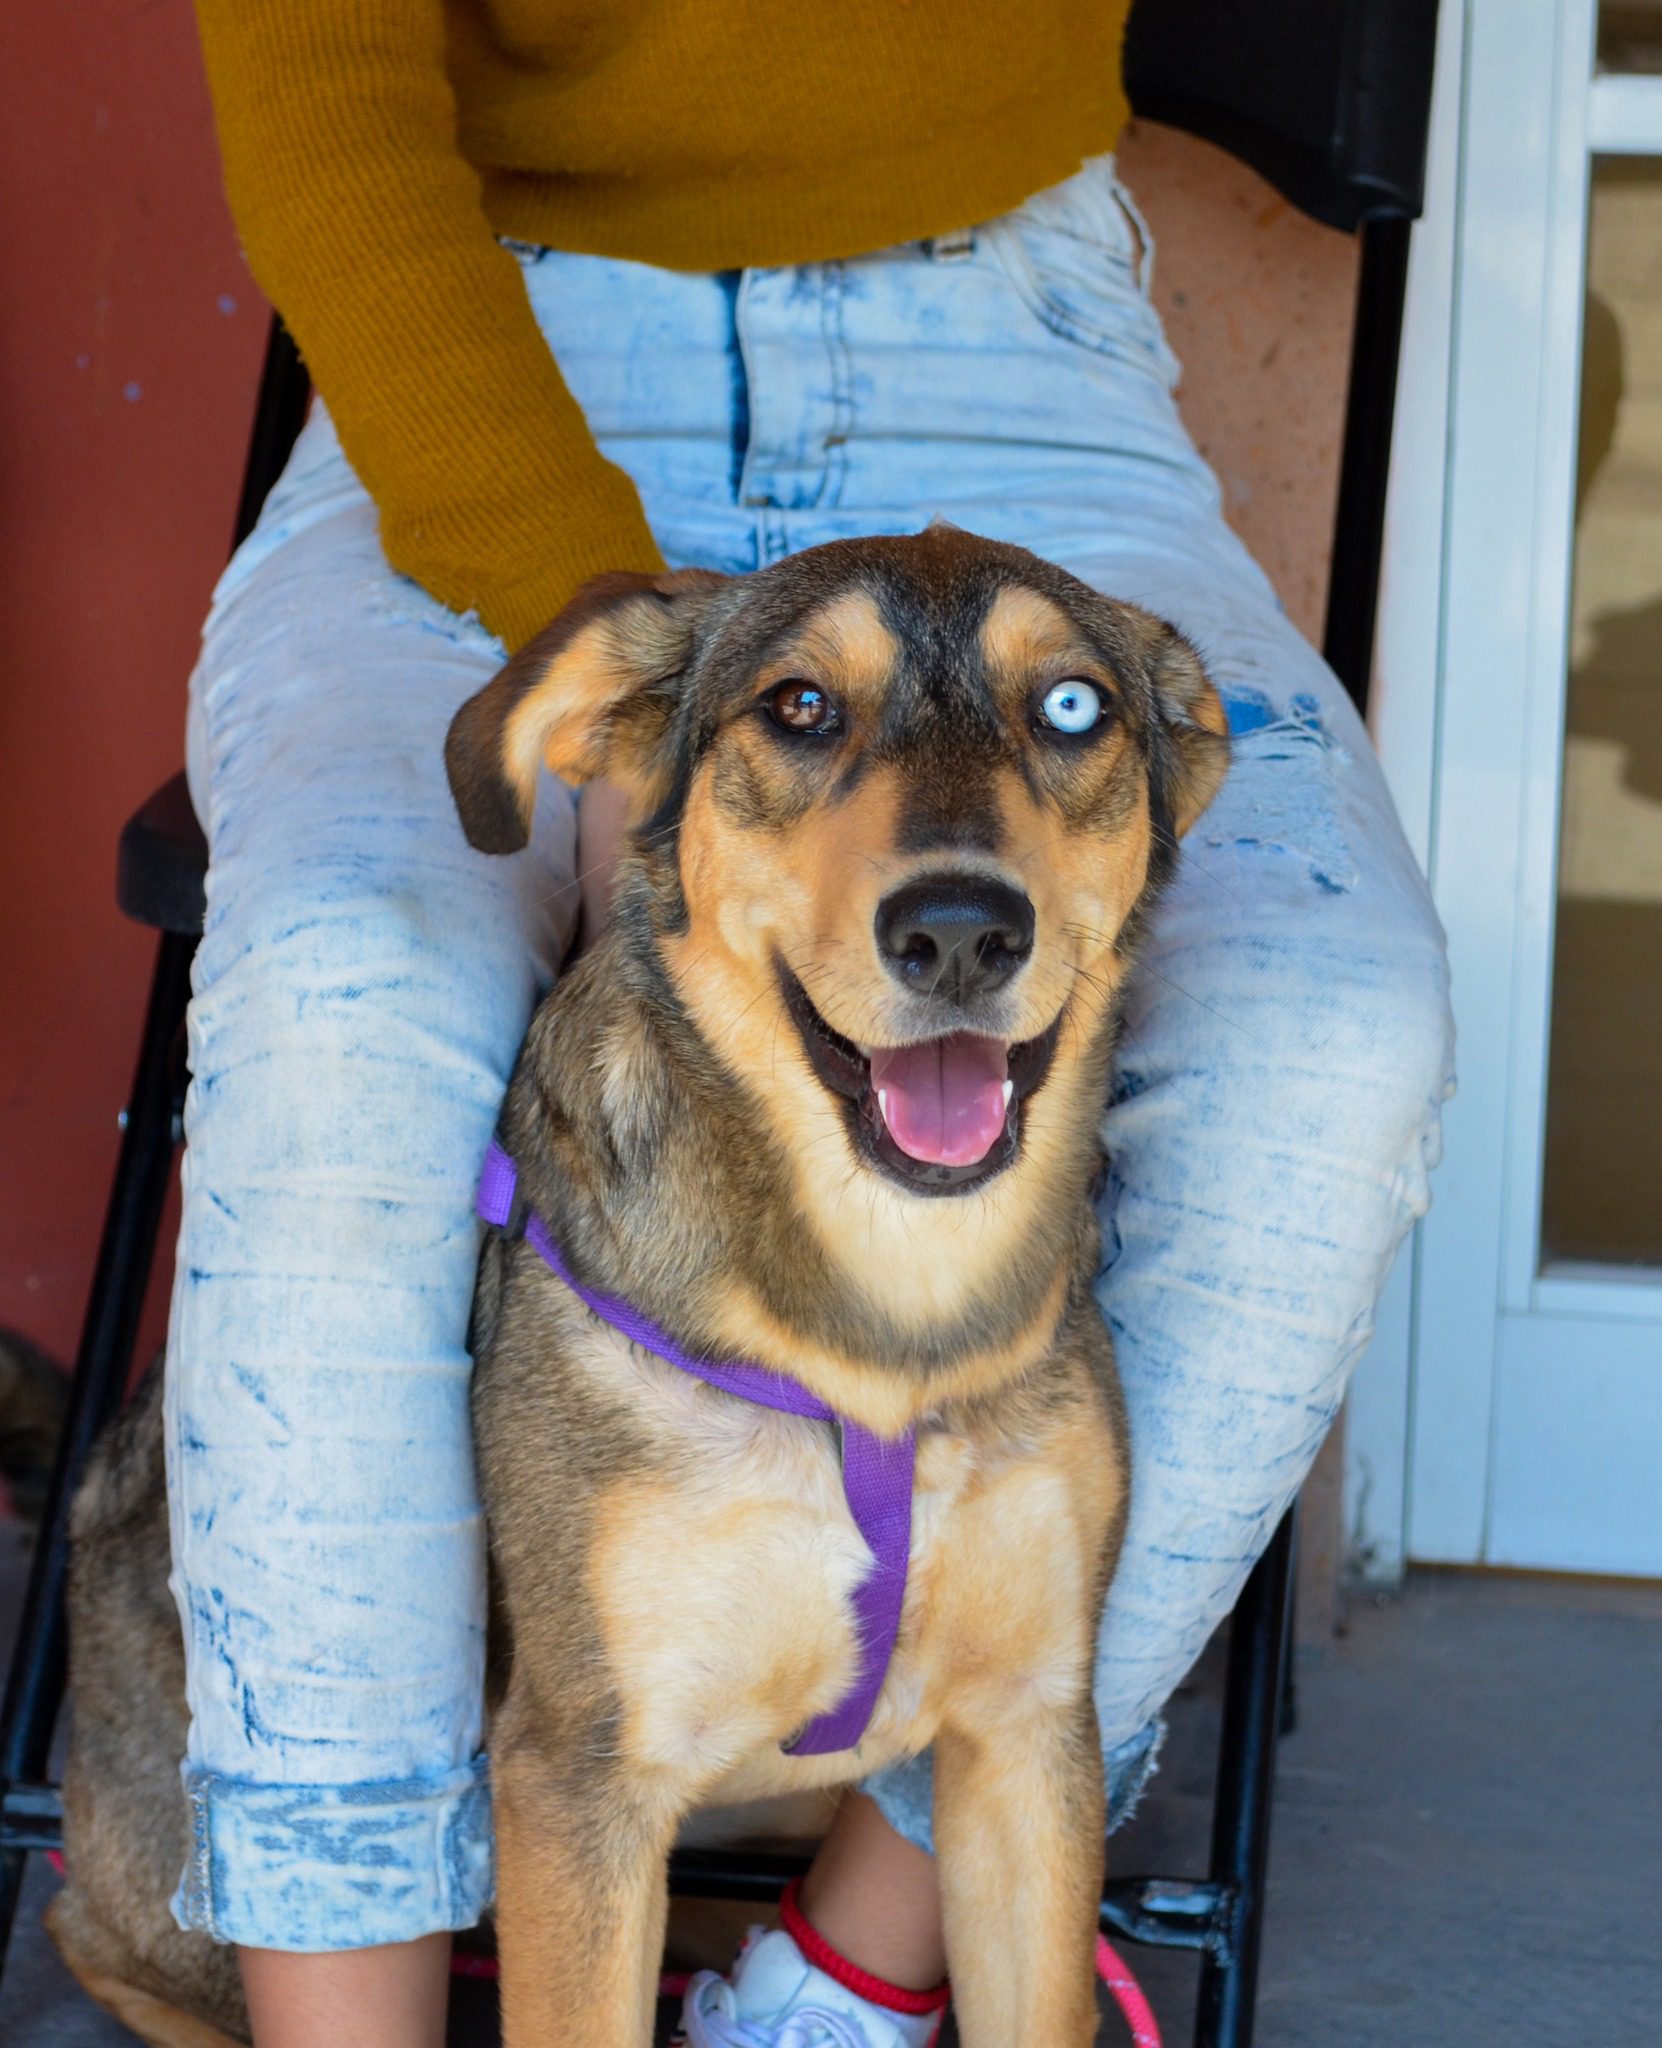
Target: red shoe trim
x=818, y=1951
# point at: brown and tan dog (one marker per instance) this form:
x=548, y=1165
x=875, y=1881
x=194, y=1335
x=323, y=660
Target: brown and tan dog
x=825, y=1097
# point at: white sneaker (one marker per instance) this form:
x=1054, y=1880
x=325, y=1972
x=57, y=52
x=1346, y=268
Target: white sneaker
x=776, y=1998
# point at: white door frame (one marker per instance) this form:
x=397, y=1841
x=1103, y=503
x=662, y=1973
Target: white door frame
x=1402, y=716
x=1470, y=723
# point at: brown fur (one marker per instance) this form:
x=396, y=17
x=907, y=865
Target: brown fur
x=673, y=1568
x=33, y=1398
x=126, y=1826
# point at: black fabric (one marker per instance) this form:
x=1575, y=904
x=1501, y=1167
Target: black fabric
x=1330, y=100
x=162, y=863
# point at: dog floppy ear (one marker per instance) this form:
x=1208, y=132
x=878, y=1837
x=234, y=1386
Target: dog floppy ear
x=1195, y=758
x=593, y=694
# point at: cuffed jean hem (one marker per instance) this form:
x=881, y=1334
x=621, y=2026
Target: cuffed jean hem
x=343, y=1866
x=905, y=1792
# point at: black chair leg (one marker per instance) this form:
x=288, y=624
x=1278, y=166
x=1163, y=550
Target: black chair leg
x=1288, y=1722
x=1370, y=407
x=1246, y=1777
x=126, y=1251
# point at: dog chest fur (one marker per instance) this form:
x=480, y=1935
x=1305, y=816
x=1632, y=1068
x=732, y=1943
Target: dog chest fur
x=719, y=1560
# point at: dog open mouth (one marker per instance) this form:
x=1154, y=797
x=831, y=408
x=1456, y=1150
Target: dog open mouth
x=941, y=1116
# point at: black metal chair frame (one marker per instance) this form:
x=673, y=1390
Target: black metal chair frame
x=1345, y=141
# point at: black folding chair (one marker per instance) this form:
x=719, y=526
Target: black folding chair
x=1330, y=101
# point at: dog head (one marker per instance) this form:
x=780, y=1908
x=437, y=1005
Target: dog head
x=897, y=804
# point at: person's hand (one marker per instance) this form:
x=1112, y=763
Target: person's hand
x=602, y=813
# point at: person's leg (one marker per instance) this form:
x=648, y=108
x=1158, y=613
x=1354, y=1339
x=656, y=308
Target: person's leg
x=361, y=988
x=1285, y=1054
x=873, y=1896
x=1286, y=1044
x=392, y=1997
x=1273, y=1125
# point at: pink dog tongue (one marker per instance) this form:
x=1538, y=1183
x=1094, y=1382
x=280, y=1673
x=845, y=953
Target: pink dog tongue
x=943, y=1102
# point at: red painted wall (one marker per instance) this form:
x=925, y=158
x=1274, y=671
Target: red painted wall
x=129, y=343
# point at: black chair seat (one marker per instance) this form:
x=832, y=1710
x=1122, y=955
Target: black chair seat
x=162, y=865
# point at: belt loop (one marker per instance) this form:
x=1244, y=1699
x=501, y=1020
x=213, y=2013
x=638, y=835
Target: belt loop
x=952, y=247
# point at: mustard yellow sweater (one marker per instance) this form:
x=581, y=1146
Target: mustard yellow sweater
x=375, y=149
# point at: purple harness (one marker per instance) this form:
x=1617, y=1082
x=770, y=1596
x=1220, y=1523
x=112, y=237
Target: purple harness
x=877, y=1471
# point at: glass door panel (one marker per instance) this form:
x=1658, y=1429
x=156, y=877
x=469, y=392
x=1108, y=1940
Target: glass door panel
x=1602, y=1184
x=1630, y=36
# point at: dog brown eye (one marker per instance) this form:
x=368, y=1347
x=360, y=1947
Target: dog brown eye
x=803, y=707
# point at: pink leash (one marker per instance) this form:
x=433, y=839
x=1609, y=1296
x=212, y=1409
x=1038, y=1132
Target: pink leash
x=1127, y=1992
x=1127, y=1995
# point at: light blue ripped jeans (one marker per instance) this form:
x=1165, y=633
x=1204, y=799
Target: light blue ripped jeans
x=364, y=980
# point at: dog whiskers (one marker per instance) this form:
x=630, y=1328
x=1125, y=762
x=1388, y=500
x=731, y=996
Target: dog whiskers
x=1234, y=1023
x=637, y=842
x=1140, y=964
x=1173, y=844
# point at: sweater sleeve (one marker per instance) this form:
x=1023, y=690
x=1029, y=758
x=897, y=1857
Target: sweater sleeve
x=364, y=224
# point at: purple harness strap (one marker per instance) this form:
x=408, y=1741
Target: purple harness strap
x=877, y=1471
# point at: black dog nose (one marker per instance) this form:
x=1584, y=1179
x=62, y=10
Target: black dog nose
x=955, y=936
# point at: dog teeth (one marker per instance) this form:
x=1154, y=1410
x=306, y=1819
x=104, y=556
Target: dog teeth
x=1009, y=1091
x=883, y=1104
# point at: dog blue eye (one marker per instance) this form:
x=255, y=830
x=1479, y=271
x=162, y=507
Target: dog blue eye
x=1074, y=706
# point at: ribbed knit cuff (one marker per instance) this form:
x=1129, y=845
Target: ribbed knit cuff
x=584, y=547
